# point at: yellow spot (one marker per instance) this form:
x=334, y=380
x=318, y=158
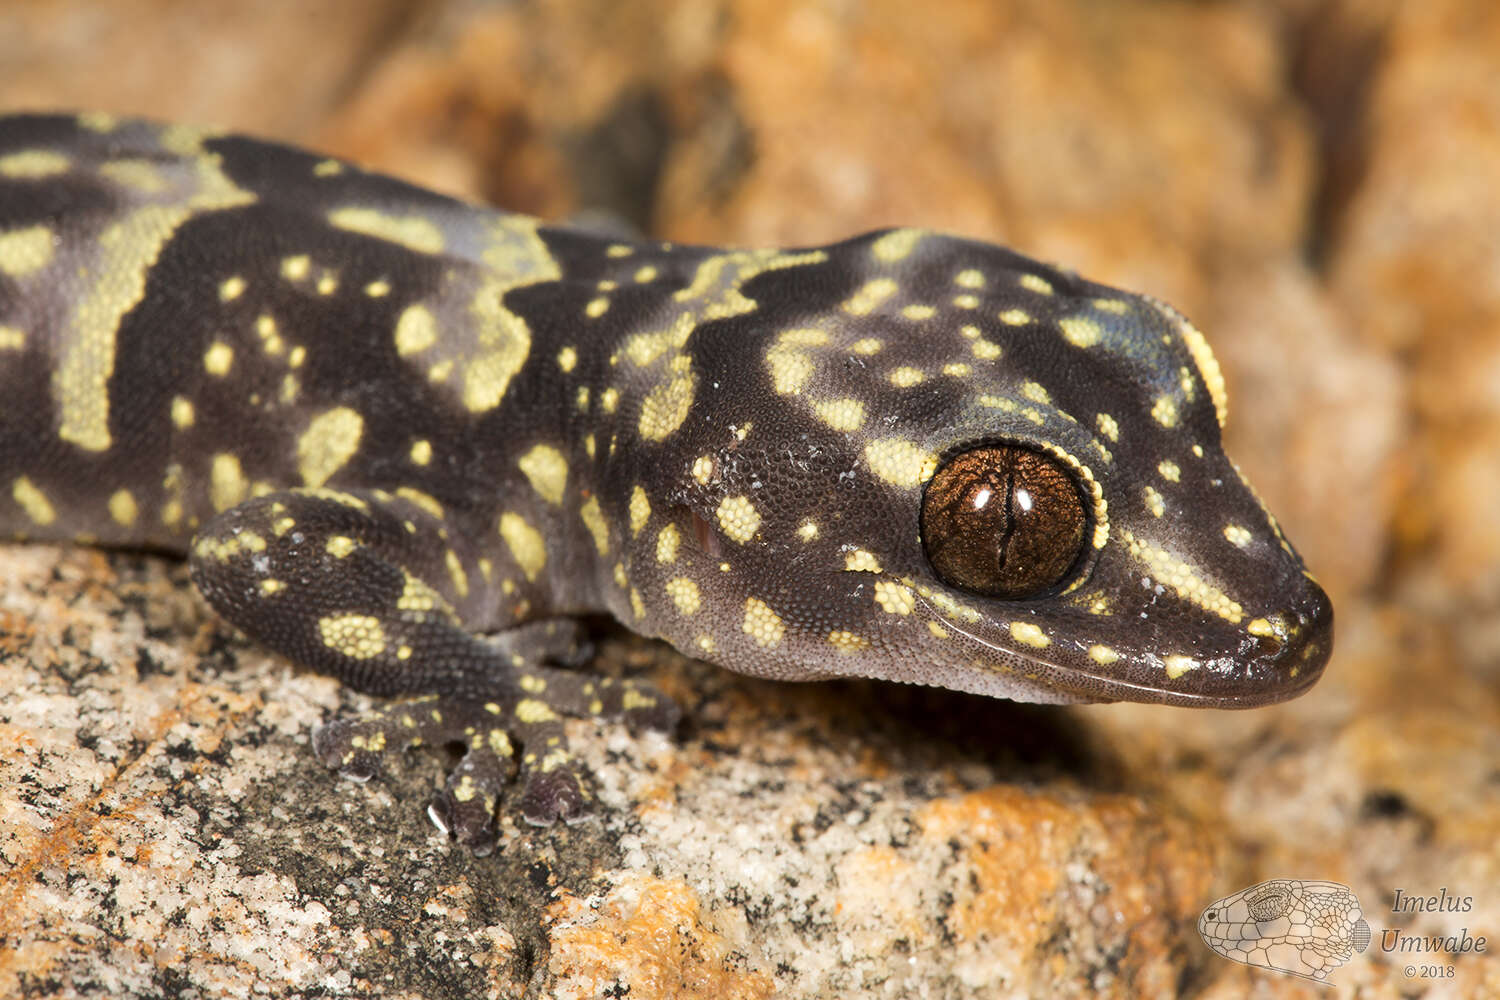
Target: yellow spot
x=567, y=358
x=790, y=367
x=98, y=121
x=122, y=508
x=358, y=637
x=619, y=250
x=1103, y=655
x=667, y=541
x=847, y=642
x=684, y=594
x=703, y=469
x=906, y=376
x=12, y=339
x=985, y=350
x=328, y=283
x=331, y=439
x=738, y=518
x=425, y=501
x=418, y=597
x=33, y=164
x=33, y=501
x=421, y=452
x=1035, y=393
x=227, y=484
x=1035, y=283
x=416, y=330
x=298, y=355
x=899, y=462
x=918, y=312
x=456, y=573
x=896, y=244
x=1260, y=627
x=411, y=231
x=1179, y=665
x=231, y=288
x=1118, y=307
x=282, y=525
x=1029, y=634
x=762, y=624
x=1238, y=535
x=645, y=275
x=966, y=301
x=867, y=346
x=640, y=510
x=593, y=519
x=1208, y=367
x=938, y=632
x=296, y=268
x=1108, y=427
x=378, y=289
x=340, y=546
x=844, y=414
x=1015, y=317
x=532, y=684
x=327, y=168
x=265, y=329
x=531, y=712
x=666, y=407
x=1172, y=572
x=1154, y=502
x=1169, y=470
x=707, y=644
x=869, y=297
x=25, y=251
x=644, y=348
x=1188, y=385
x=609, y=399
x=218, y=359
x=1081, y=332
x=895, y=598
x=270, y=587
x=1164, y=411
x=596, y=307
x=807, y=531
x=861, y=561
x=969, y=278
x=547, y=471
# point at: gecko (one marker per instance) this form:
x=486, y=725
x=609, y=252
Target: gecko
x=407, y=441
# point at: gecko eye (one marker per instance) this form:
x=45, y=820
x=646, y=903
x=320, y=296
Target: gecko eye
x=1003, y=521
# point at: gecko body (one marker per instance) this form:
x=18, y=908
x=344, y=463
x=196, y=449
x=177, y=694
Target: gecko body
x=405, y=441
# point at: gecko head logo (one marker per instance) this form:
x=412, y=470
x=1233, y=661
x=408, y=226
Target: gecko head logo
x=1302, y=928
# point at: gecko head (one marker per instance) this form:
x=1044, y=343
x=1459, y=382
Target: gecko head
x=985, y=474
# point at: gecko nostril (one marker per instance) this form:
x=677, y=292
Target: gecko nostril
x=1267, y=646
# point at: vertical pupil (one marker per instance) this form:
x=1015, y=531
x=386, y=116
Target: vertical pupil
x=1004, y=521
